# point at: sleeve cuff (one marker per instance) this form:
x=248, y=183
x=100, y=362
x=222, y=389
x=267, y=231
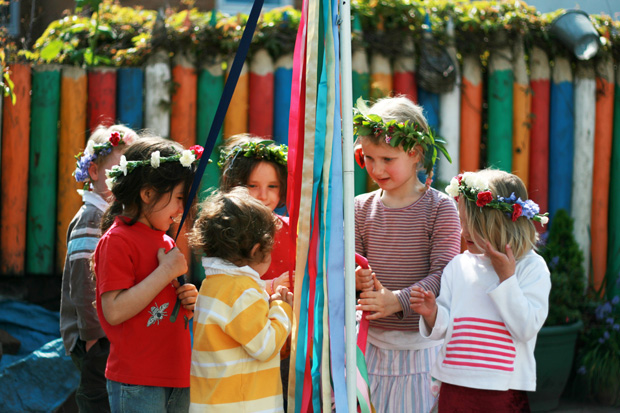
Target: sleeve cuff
x=403, y=299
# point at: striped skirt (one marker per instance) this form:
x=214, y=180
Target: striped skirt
x=400, y=380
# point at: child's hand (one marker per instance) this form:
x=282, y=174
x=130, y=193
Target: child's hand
x=422, y=302
x=381, y=302
x=173, y=261
x=283, y=280
x=503, y=264
x=285, y=294
x=364, y=279
x=187, y=293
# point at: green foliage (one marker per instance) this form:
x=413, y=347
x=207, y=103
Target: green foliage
x=565, y=262
x=598, y=350
x=113, y=36
x=124, y=36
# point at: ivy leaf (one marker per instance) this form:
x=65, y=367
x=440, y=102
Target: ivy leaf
x=445, y=152
x=361, y=106
x=364, y=130
x=52, y=50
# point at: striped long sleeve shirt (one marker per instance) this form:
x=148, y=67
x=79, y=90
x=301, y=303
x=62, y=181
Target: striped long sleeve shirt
x=78, y=316
x=238, y=335
x=407, y=246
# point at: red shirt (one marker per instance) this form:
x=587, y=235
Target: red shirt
x=280, y=255
x=147, y=349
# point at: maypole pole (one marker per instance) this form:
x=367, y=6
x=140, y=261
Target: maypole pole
x=348, y=188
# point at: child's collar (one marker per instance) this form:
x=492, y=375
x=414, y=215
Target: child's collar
x=215, y=265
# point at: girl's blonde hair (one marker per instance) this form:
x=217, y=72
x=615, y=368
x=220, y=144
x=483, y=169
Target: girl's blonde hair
x=496, y=226
x=101, y=135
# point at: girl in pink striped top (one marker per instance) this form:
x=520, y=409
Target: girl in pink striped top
x=494, y=298
x=409, y=232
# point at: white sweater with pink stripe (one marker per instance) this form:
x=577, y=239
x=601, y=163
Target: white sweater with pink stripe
x=490, y=328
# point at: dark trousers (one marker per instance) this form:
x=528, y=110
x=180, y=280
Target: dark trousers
x=91, y=395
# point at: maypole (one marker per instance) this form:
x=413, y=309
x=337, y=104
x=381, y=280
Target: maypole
x=348, y=185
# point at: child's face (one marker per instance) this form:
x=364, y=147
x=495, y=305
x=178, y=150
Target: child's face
x=471, y=246
x=391, y=168
x=163, y=213
x=98, y=179
x=264, y=185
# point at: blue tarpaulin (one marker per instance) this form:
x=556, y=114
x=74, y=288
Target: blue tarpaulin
x=40, y=377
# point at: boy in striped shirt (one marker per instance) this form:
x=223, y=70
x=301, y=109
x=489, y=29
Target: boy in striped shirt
x=238, y=329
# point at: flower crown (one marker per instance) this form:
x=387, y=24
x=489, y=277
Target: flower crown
x=266, y=150
x=186, y=158
x=476, y=189
x=394, y=133
x=94, y=151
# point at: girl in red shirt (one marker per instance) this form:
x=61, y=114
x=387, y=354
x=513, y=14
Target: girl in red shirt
x=136, y=265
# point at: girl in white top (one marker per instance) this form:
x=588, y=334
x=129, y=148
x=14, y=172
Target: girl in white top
x=493, y=300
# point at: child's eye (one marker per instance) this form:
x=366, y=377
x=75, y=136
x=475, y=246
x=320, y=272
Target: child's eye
x=388, y=159
x=274, y=186
x=250, y=186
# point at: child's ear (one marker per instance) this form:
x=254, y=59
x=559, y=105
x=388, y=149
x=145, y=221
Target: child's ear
x=254, y=251
x=93, y=171
x=416, y=154
x=146, y=194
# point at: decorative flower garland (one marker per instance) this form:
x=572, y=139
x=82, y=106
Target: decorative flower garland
x=186, y=158
x=408, y=134
x=94, y=151
x=476, y=189
x=266, y=150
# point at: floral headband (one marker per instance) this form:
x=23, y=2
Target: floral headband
x=94, y=151
x=265, y=150
x=476, y=189
x=394, y=133
x=186, y=158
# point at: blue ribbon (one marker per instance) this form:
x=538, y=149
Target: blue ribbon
x=222, y=108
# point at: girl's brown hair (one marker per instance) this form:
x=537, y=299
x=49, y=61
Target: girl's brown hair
x=236, y=170
x=162, y=180
x=230, y=224
x=496, y=226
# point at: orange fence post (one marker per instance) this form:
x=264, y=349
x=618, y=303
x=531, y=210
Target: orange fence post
x=71, y=141
x=183, y=124
x=15, y=158
x=603, y=134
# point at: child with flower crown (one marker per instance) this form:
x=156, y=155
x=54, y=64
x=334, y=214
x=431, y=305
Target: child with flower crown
x=494, y=298
x=409, y=232
x=239, y=329
x=136, y=265
x=80, y=329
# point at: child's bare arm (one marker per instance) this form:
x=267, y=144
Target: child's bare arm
x=120, y=305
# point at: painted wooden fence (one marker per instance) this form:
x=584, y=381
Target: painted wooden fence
x=556, y=129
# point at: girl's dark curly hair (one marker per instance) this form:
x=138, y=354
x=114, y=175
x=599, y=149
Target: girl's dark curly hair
x=230, y=224
x=126, y=190
x=236, y=170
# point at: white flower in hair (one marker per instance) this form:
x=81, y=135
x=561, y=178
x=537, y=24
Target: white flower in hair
x=544, y=220
x=110, y=183
x=453, y=188
x=123, y=165
x=187, y=158
x=155, y=159
x=90, y=148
